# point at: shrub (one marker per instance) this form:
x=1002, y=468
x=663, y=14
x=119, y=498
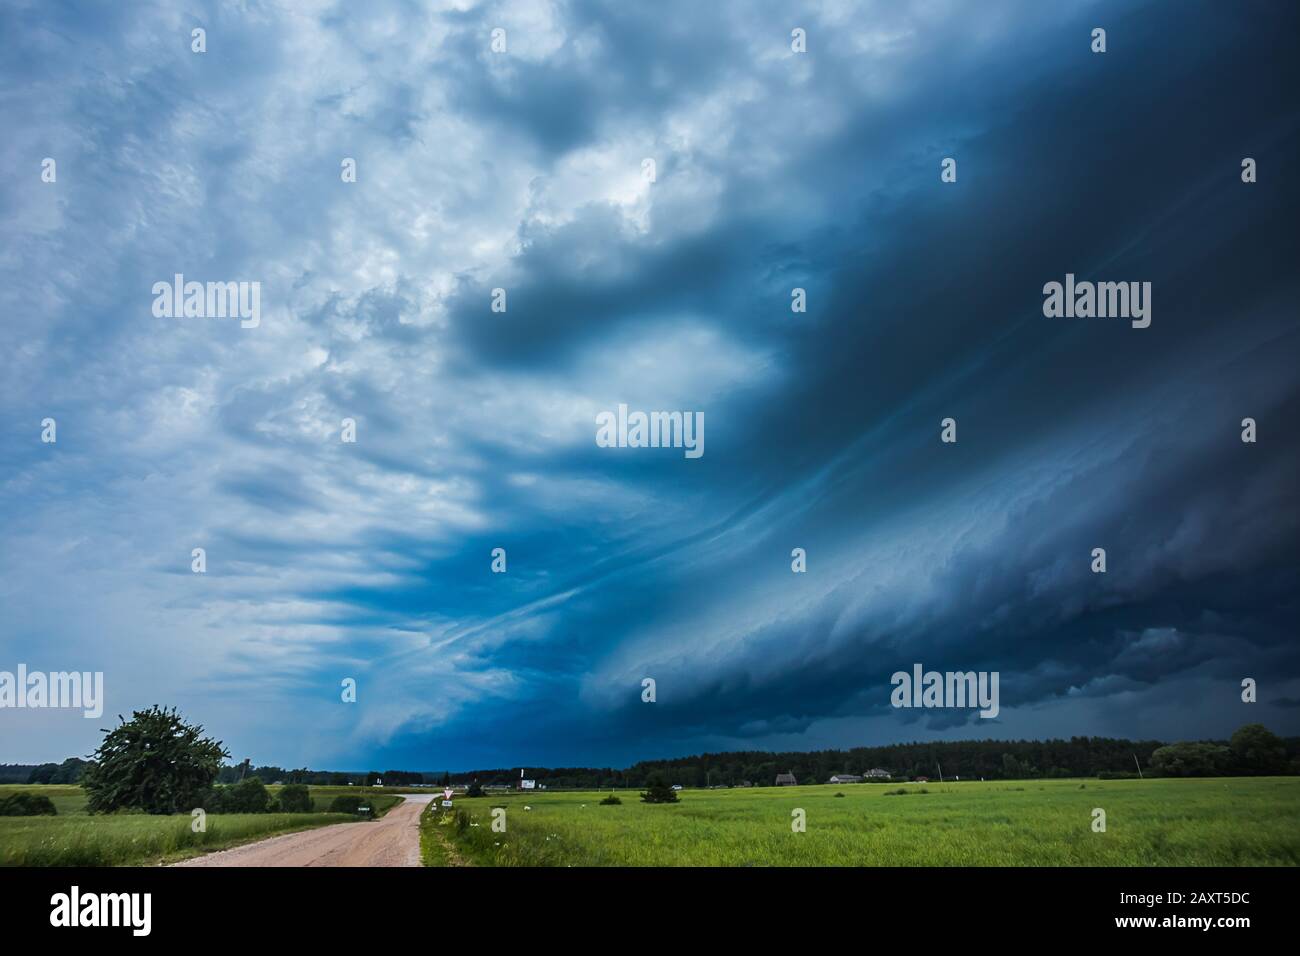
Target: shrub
x=295, y=798
x=26, y=805
x=474, y=790
x=658, y=790
x=247, y=796
x=839, y=794
x=611, y=801
x=347, y=803
x=211, y=800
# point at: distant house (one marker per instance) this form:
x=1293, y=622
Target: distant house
x=785, y=780
x=921, y=779
x=845, y=778
x=877, y=774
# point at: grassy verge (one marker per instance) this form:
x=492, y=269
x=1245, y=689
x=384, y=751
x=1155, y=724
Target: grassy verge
x=434, y=848
x=437, y=845
x=138, y=839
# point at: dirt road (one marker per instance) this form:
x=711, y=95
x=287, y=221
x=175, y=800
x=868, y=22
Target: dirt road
x=392, y=840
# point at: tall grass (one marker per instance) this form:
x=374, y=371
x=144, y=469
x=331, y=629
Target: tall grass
x=129, y=839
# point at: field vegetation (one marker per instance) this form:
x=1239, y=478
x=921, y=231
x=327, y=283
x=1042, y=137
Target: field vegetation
x=1233, y=821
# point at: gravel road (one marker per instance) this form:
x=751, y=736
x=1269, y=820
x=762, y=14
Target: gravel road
x=392, y=840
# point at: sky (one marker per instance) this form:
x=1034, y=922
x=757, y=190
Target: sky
x=524, y=170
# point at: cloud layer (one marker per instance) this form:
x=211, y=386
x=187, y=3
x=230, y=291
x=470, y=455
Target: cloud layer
x=523, y=171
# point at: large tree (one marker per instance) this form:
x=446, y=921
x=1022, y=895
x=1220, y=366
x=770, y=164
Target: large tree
x=1257, y=750
x=154, y=762
x=1192, y=759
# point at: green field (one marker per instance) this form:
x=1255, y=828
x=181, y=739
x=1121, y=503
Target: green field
x=1235, y=821
x=76, y=838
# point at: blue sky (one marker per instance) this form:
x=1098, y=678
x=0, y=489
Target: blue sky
x=475, y=429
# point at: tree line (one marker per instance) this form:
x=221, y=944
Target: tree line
x=159, y=762
x=1252, y=750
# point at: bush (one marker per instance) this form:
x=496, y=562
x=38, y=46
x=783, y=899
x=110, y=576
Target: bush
x=211, y=800
x=247, y=796
x=347, y=803
x=474, y=790
x=295, y=798
x=611, y=801
x=658, y=790
x=26, y=805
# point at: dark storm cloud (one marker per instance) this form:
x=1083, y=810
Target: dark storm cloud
x=476, y=428
x=941, y=315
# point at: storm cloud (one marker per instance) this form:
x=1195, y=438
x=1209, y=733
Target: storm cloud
x=523, y=171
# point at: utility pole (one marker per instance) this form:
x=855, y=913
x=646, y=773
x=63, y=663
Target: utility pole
x=1139, y=766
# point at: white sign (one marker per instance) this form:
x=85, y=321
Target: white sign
x=446, y=803
x=528, y=784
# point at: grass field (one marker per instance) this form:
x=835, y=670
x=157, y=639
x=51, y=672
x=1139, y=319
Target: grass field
x=1222, y=821
x=76, y=838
